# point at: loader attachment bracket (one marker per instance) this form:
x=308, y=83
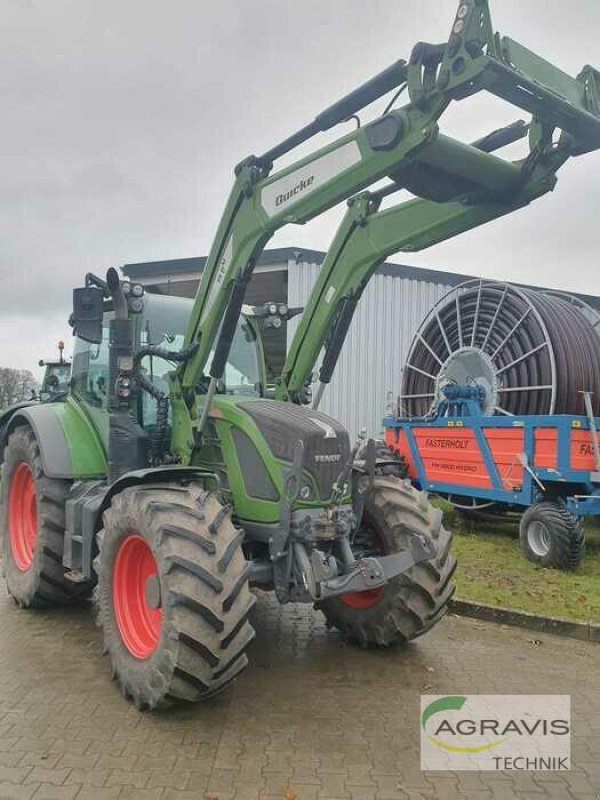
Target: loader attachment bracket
x=475, y=58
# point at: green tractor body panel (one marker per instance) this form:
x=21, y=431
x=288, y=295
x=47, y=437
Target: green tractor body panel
x=249, y=444
x=87, y=449
x=69, y=444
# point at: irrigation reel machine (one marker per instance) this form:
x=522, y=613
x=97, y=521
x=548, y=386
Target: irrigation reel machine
x=500, y=407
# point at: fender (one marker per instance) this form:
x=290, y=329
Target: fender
x=161, y=475
x=70, y=447
x=90, y=499
x=6, y=415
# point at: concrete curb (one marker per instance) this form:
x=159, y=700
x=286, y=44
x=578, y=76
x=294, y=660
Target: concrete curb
x=584, y=631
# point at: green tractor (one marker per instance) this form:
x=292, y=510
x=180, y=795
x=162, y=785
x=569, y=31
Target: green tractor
x=171, y=479
x=57, y=374
x=55, y=386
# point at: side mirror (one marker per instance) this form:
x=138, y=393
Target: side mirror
x=88, y=307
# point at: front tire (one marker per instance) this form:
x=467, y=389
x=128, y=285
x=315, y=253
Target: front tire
x=173, y=596
x=33, y=527
x=412, y=603
x=551, y=536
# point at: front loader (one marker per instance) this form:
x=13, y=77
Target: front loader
x=171, y=481
x=368, y=235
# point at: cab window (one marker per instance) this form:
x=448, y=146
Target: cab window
x=90, y=370
x=242, y=373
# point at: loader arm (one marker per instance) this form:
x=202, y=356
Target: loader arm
x=368, y=236
x=261, y=202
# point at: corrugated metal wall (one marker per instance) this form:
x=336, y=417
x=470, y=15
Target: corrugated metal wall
x=387, y=317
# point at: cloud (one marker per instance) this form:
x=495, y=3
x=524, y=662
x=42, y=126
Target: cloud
x=122, y=123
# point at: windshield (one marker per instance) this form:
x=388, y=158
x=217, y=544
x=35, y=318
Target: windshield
x=163, y=324
x=56, y=379
x=242, y=373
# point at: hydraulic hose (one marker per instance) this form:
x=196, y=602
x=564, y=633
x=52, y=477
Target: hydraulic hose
x=158, y=440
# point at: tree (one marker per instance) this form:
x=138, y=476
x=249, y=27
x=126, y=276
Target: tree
x=15, y=385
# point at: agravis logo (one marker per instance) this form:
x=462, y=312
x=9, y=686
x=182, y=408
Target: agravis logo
x=462, y=727
x=495, y=732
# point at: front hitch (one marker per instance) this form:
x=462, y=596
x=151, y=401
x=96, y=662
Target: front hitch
x=369, y=573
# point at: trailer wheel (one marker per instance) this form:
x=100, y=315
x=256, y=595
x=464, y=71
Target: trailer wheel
x=33, y=527
x=551, y=536
x=173, y=596
x=412, y=603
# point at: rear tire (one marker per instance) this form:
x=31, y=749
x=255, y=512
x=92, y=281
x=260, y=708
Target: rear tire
x=551, y=536
x=173, y=596
x=33, y=527
x=411, y=603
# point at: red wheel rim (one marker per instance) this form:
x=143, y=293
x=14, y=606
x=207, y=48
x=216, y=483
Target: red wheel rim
x=138, y=622
x=362, y=599
x=370, y=597
x=22, y=516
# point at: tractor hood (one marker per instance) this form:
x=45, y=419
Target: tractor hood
x=326, y=441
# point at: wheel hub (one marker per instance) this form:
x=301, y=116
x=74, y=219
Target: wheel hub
x=539, y=538
x=136, y=596
x=22, y=517
x=466, y=366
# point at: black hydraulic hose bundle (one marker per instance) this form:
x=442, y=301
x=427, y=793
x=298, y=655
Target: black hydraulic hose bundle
x=543, y=348
x=158, y=440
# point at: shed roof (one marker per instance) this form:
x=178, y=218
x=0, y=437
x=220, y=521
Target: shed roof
x=282, y=255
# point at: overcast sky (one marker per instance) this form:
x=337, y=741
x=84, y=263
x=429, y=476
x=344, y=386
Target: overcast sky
x=122, y=121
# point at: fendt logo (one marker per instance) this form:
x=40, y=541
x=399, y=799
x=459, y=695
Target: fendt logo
x=495, y=732
x=305, y=183
x=327, y=458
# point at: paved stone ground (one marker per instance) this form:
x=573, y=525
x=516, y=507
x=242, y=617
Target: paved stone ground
x=311, y=719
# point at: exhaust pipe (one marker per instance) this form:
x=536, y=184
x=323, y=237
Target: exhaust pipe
x=113, y=284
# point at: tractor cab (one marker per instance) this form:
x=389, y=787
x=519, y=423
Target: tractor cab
x=157, y=325
x=254, y=445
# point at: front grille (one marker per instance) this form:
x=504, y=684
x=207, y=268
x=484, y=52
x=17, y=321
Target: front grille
x=326, y=442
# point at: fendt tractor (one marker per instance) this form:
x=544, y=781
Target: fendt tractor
x=54, y=386
x=172, y=481
x=57, y=374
